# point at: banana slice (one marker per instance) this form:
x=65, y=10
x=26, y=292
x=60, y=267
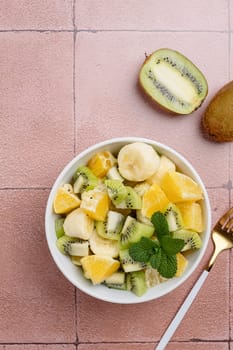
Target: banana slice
x=78, y=224
x=101, y=246
x=138, y=161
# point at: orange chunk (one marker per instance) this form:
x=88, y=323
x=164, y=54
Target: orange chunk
x=154, y=199
x=65, y=200
x=180, y=188
x=97, y=267
x=191, y=213
x=101, y=162
x=182, y=263
x=95, y=204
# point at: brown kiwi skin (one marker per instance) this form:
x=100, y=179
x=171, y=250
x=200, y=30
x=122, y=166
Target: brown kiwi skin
x=214, y=133
x=155, y=104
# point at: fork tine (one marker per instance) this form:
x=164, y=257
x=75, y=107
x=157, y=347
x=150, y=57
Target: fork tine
x=229, y=225
x=226, y=217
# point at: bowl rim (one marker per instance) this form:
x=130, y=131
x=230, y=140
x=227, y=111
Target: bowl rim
x=92, y=290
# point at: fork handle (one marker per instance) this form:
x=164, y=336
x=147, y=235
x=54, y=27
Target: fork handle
x=181, y=313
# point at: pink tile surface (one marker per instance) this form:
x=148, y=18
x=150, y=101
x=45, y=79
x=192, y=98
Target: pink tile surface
x=36, y=303
x=36, y=96
x=32, y=14
x=157, y=15
x=63, y=90
x=149, y=346
x=38, y=347
x=120, y=346
x=123, y=108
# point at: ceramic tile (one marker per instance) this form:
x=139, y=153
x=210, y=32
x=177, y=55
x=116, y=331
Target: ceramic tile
x=119, y=346
x=149, y=346
x=40, y=15
x=36, y=96
x=198, y=346
x=231, y=285
x=37, y=304
x=230, y=14
x=152, y=15
x=38, y=347
x=110, y=104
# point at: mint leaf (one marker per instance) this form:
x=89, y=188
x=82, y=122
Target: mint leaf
x=155, y=259
x=171, y=245
x=143, y=250
x=168, y=265
x=160, y=224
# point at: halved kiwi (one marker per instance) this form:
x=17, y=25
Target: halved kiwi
x=173, y=81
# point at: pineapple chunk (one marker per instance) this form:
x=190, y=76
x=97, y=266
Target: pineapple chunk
x=180, y=188
x=182, y=263
x=191, y=213
x=65, y=200
x=101, y=162
x=153, y=200
x=97, y=268
x=95, y=204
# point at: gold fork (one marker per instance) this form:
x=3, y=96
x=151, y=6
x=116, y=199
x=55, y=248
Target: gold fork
x=222, y=235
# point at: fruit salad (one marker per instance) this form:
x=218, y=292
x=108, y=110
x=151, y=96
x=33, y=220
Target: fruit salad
x=128, y=220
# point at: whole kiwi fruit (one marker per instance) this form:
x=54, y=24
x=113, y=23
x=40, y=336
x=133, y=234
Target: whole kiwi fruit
x=218, y=117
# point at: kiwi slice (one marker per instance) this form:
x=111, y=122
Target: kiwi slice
x=128, y=263
x=137, y=282
x=72, y=246
x=192, y=239
x=133, y=231
x=116, y=281
x=131, y=201
x=84, y=180
x=173, y=81
x=116, y=190
x=111, y=227
x=59, y=229
x=173, y=217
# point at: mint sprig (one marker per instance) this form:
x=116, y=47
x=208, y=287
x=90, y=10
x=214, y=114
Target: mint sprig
x=160, y=224
x=143, y=250
x=160, y=254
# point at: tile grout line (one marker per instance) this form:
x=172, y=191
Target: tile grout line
x=74, y=72
x=115, y=30
x=74, y=150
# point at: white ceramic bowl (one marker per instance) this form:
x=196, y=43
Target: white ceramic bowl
x=74, y=274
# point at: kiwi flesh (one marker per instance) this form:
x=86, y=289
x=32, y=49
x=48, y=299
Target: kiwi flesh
x=116, y=281
x=192, y=239
x=218, y=117
x=128, y=263
x=72, y=246
x=133, y=231
x=116, y=190
x=173, y=217
x=111, y=227
x=131, y=201
x=173, y=81
x=137, y=282
x=84, y=180
x=59, y=229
